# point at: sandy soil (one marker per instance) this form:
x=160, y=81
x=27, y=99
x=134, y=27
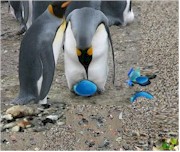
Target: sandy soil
x=151, y=43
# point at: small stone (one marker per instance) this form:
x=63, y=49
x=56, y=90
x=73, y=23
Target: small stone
x=83, y=121
x=135, y=133
x=119, y=139
x=20, y=111
x=173, y=134
x=36, y=149
x=39, y=129
x=47, y=120
x=176, y=148
x=4, y=141
x=7, y=117
x=15, y=129
x=53, y=117
x=45, y=106
x=105, y=144
x=60, y=123
x=24, y=124
x=9, y=125
x=126, y=147
x=120, y=116
x=90, y=143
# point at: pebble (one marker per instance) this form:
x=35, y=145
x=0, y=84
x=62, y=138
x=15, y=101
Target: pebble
x=120, y=116
x=105, y=144
x=47, y=120
x=39, y=129
x=7, y=117
x=36, y=149
x=45, y=106
x=126, y=147
x=9, y=125
x=135, y=133
x=15, y=129
x=174, y=134
x=83, y=121
x=90, y=143
x=60, y=123
x=53, y=117
x=24, y=124
x=20, y=111
x=119, y=139
x=4, y=141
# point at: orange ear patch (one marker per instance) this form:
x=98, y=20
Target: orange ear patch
x=78, y=52
x=65, y=4
x=90, y=51
x=50, y=9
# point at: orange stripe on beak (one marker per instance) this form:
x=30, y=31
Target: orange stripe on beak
x=78, y=52
x=90, y=51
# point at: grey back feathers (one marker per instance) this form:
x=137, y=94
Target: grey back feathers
x=84, y=24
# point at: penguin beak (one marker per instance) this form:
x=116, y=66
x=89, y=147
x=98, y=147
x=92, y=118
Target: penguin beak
x=85, y=57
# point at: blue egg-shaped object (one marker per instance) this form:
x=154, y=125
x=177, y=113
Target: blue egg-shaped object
x=85, y=88
x=143, y=80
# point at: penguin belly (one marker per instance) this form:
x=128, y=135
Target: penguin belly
x=98, y=68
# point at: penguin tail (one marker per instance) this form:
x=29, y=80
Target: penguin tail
x=22, y=100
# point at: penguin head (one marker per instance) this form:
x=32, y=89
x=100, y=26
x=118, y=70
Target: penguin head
x=58, y=8
x=83, y=24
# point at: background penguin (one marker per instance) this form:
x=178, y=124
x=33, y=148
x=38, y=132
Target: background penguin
x=86, y=46
x=38, y=55
x=26, y=12
x=118, y=12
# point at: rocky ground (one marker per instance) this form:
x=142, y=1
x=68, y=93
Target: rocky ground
x=108, y=121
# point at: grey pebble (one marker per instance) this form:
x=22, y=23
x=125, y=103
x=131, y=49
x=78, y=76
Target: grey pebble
x=15, y=129
x=90, y=143
x=106, y=143
x=7, y=117
x=126, y=147
x=60, y=123
x=135, y=133
x=9, y=125
x=53, y=117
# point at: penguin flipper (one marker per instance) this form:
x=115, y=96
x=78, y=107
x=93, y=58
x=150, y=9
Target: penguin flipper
x=48, y=72
x=22, y=100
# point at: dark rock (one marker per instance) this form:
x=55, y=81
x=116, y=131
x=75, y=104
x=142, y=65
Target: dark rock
x=126, y=147
x=45, y=106
x=47, y=120
x=4, y=141
x=90, y=143
x=83, y=121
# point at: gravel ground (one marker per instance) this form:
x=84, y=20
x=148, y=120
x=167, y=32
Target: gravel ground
x=108, y=121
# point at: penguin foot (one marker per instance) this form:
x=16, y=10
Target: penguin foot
x=22, y=101
x=44, y=101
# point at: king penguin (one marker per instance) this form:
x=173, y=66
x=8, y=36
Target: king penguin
x=87, y=43
x=38, y=56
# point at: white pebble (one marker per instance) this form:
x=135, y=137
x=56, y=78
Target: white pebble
x=120, y=116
